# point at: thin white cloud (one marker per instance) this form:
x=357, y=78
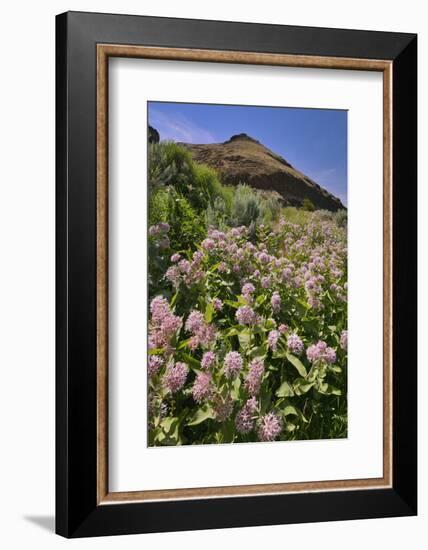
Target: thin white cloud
x=177, y=127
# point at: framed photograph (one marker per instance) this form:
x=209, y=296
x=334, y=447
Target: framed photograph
x=236, y=274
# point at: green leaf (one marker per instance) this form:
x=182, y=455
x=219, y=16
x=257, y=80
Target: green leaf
x=259, y=352
x=191, y=361
x=290, y=427
x=232, y=304
x=261, y=299
x=183, y=343
x=156, y=351
x=302, y=386
x=174, y=299
x=235, y=389
x=231, y=332
x=335, y=368
x=244, y=338
x=209, y=312
x=265, y=400
x=169, y=424
x=328, y=389
x=297, y=364
x=228, y=431
x=284, y=390
x=290, y=410
x=201, y=415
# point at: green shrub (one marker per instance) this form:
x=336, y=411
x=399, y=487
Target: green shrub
x=159, y=206
x=162, y=170
x=271, y=209
x=246, y=207
x=308, y=205
x=341, y=218
x=296, y=215
x=217, y=214
x=172, y=165
x=187, y=225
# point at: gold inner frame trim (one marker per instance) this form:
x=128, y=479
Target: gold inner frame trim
x=104, y=51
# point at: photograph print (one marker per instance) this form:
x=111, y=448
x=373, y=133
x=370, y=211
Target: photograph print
x=247, y=274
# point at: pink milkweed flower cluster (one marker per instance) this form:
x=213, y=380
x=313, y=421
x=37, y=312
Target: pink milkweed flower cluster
x=163, y=324
x=186, y=272
x=159, y=233
x=208, y=360
x=245, y=419
x=155, y=363
x=273, y=338
x=276, y=302
x=204, y=334
x=295, y=344
x=175, y=376
x=245, y=315
x=344, y=340
x=248, y=290
x=233, y=364
x=217, y=304
x=202, y=387
x=254, y=376
x=321, y=352
x=240, y=303
x=222, y=407
x=270, y=427
x=159, y=229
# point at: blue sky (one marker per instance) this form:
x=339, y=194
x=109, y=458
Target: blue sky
x=314, y=141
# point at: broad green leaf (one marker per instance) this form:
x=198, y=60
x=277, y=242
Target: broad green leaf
x=174, y=299
x=169, y=424
x=191, y=361
x=265, y=399
x=183, y=343
x=259, y=352
x=261, y=299
x=215, y=267
x=290, y=410
x=156, y=351
x=232, y=304
x=290, y=427
x=297, y=364
x=201, y=415
x=209, y=311
x=235, y=388
x=328, y=389
x=244, y=338
x=336, y=369
x=228, y=431
x=284, y=390
x=302, y=386
x=231, y=332
x=270, y=324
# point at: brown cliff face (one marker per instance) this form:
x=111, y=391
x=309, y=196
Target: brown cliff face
x=242, y=159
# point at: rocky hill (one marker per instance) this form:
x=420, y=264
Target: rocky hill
x=242, y=159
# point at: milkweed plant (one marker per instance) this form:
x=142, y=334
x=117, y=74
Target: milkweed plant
x=247, y=337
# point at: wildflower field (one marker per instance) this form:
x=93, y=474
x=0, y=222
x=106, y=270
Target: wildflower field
x=247, y=312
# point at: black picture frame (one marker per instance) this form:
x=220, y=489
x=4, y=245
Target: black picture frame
x=77, y=511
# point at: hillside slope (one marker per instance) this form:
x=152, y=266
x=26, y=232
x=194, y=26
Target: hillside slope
x=242, y=159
